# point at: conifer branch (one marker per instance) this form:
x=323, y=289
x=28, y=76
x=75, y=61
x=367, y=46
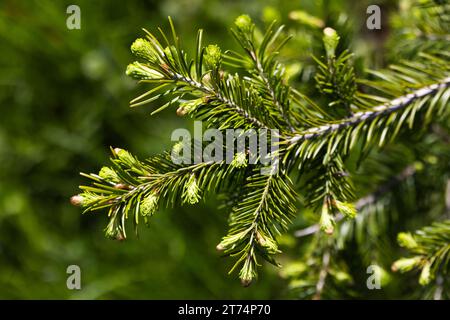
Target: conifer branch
x=315, y=134
x=268, y=81
x=384, y=109
x=210, y=93
x=430, y=247
x=364, y=201
x=256, y=219
x=133, y=186
x=267, y=73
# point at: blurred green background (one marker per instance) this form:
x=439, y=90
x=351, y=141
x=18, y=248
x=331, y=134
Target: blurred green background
x=64, y=100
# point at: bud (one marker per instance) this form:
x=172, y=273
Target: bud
x=330, y=40
x=191, y=192
x=260, y=239
x=405, y=264
x=113, y=231
x=139, y=71
x=85, y=199
x=425, y=275
x=347, y=209
x=244, y=23
x=406, y=240
x=142, y=48
x=120, y=236
x=246, y=278
x=268, y=243
x=326, y=220
x=231, y=241
x=181, y=111
x=239, y=160
x=77, y=200
x=246, y=281
x=124, y=156
x=149, y=205
x=247, y=273
x=213, y=56
x=108, y=174
x=188, y=106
